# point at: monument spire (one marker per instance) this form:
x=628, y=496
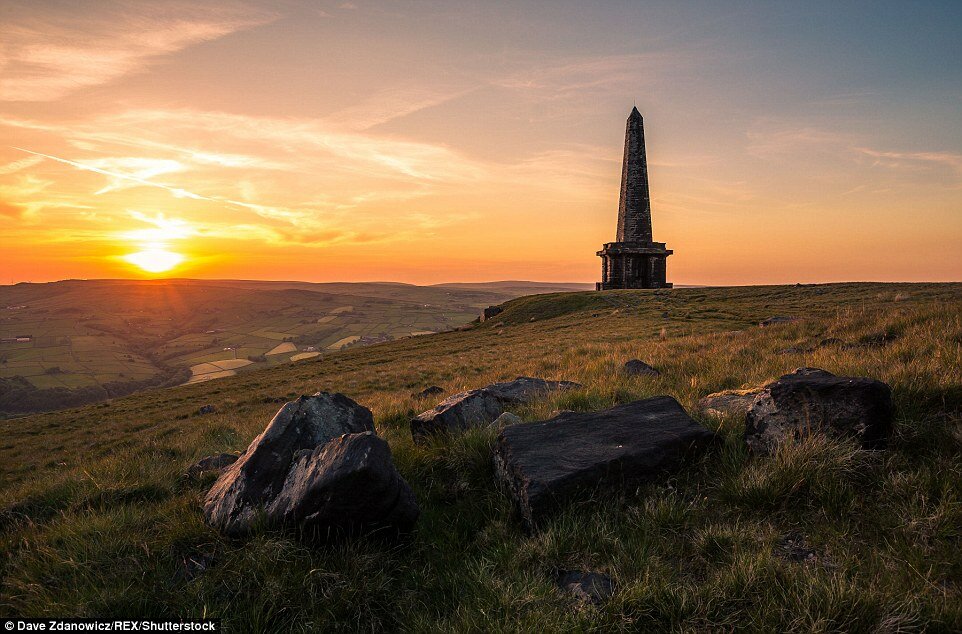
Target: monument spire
x=634, y=207
x=634, y=260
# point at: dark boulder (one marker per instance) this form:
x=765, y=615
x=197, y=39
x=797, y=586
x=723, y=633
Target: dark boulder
x=811, y=401
x=206, y=409
x=587, y=587
x=476, y=408
x=428, y=392
x=545, y=464
x=490, y=311
x=256, y=478
x=637, y=367
x=217, y=462
x=458, y=412
x=346, y=485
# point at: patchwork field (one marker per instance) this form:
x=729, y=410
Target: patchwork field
x=72, y=342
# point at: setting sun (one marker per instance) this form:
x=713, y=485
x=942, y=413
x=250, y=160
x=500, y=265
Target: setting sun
x=155, y=260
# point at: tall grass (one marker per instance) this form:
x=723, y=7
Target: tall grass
x=100, y=518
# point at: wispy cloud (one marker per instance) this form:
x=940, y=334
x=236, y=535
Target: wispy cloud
x=553, y=79
x=788, y=142
x=46, y=55
x=913, y=160
x=394, y=103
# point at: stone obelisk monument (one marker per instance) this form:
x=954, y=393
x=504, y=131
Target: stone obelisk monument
x=634, y=261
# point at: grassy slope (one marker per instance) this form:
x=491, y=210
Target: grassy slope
x=101, y=521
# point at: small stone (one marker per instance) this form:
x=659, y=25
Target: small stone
x=637, y=367
x=217, y=462
x=206, y=409
x=588, y=587
x=779, y=319
x=428, y=392
x=792, y=547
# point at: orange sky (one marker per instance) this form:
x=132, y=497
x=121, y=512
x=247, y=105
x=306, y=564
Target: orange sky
x=425, y=142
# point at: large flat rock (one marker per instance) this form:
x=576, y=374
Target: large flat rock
x=545, y=464
x=477, y=408
x=256, y=478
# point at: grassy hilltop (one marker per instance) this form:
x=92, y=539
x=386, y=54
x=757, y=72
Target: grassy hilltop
x=100, y=519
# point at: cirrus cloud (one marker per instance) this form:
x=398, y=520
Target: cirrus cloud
x=47, y=55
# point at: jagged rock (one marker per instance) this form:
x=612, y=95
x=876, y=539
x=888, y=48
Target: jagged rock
x=504, y=420
x=547, y=463
x=476, y=408
x=637, y=367
x=346, y=485
x=728, y=402
x=588, y=587
x=490, y=312
x=206, y=409
x=217, y=462
x=428, y=392
x=810, y=401
x=458, y=412
x=778, y=319
x=256, y=478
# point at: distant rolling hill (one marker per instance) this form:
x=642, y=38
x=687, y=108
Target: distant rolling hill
x=79, y=341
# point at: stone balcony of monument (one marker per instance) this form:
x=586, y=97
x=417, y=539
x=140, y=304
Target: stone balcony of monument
x=634, y=248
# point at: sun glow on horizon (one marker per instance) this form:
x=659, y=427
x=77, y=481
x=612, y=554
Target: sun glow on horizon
x=155, y=260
